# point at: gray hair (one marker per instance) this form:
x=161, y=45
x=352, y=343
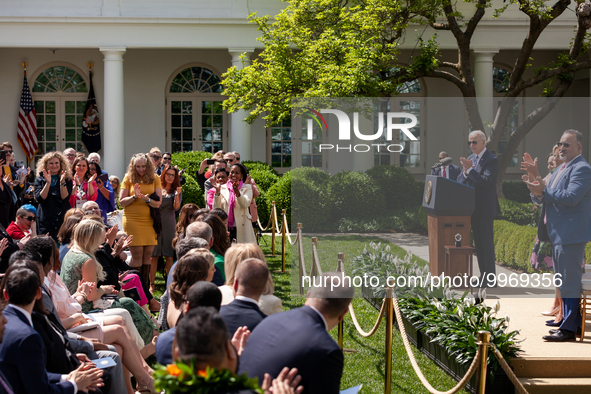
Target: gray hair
x=199, y=230
x=186, y=244
x=576, y=133
x=93, y=155
x=478, y=133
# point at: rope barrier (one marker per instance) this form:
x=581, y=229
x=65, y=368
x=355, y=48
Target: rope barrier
x=518, y=386
x=376, y=325
x=416, y=367
x=275, y=217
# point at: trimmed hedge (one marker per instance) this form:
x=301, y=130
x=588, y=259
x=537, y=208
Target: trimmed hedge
x=192, y=192
x=398, y=185
x=308, y=189
x=259, y=166
x=518, y=213
x=514, y=243
x=264, y=179
x=280, y=192
x=356, y=195
x=190, y=161
x=516, y=191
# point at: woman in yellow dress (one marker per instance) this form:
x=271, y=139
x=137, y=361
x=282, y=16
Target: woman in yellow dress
x=139, y=184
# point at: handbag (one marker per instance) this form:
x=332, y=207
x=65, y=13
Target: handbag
x=132, y=288
x=155, y=214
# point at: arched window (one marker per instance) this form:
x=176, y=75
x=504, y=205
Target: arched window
x=196, y=119
x=59, y=93
x=196, y=79
x=60, y=79
x=413, y=86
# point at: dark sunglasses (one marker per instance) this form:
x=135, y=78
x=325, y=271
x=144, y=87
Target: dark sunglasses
x=9, y=150
x=30, y=218
x=441, y=158
x=565, y=144
x=165, y=158
x=472, y=143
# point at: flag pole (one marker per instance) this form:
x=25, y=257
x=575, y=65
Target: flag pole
x=25, y=64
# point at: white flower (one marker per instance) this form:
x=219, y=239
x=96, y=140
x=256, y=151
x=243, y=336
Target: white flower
x=387, y=248
x=497, y=306
x=507, y=318
x=473, y=319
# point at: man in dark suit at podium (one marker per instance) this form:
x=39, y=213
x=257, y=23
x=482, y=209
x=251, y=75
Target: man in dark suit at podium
x=480, y=171
x=449, y=171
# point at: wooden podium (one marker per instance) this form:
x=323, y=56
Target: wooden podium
x=449, y=206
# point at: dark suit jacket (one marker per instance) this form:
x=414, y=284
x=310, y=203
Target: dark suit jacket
x=240, y=313
x=296, y=338
x=454, y=171
x=22, y=358
x=164, y=347
x=483, y=178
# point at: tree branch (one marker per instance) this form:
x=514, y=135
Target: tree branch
x=480, y=10
x=455, y=66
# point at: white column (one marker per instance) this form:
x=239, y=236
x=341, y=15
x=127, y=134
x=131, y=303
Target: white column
x=483, y=82
x=240, y=132
x=113, y=112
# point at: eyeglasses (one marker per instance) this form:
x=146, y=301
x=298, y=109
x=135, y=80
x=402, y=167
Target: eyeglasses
x=441, y=158
x=8, y=150
x=237, y=158
x=229, y=160
x=30, y=218
x=565, y=144
x=472, y=143
x=165, y=158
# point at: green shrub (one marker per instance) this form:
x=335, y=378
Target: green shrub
x=313, y=175
x=519, y=213
x=260, y=166
x=516, y=191
x=263, y=208
x=264, y=179
x=355, y=195
x=280, y=192
x=398, y=186
x=190, y=160
x=514, y=243
x=192, y=192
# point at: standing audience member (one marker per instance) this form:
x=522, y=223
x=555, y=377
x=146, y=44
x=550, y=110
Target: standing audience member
x=139, y=184
x=235, y=198
x=24, y=224
x=567, y=208
x=105, y=196
x=202, y=337
x=96, y=158
x=116, y=185
x=7, y=201
x=300, y=339
x=70, y=154
x=84, y=188
x=221, y=178
x=156, y=157
x=236, y=156
x=22, y=353
x=250, y=281
x=202, y=293
x=480, y=171
x=172, y=195
x=186, y=217
x=53, y=188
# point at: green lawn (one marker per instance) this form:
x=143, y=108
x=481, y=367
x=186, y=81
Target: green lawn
x=366, y=366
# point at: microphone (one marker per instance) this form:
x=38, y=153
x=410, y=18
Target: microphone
x=444, y=162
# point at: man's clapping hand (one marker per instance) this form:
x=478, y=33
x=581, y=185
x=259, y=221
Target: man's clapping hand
x=285, y=383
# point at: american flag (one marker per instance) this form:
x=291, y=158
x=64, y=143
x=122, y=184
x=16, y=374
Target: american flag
x=27, y=123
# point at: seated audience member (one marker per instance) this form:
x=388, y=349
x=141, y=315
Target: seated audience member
x=182, y=248
x=22, y=353
x=66, y=233
x=200, y=294
x=195, y=266
x=221, y=241
x=202, y=338
x=204, y=231
x=250, y=281
x=268, y=303
x=300, y=339
x=113, y=330
x=24, y=223
x=185, y=245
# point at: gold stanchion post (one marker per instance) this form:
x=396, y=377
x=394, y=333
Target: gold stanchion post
x=483, y=342
x=273, y=229
x=341, y=264
x=389, y=324
x=283, y=236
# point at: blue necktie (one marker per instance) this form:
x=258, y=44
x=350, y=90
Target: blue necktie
x=475, y=160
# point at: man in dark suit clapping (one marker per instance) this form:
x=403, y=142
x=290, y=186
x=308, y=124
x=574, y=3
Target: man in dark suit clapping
x=300, y=339
x=480, y=171
x=250, y=280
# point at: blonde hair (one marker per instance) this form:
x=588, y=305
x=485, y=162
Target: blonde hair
x=132, y=174
x=73, y=211
x=238, y=253
x=205, y=253
x=155, y=149
x=64, y=164
x=88, y=236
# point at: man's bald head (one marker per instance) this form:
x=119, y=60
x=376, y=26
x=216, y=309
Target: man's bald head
x=199, y=230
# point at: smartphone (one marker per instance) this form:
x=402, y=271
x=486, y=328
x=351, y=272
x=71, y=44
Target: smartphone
x=210, y=162
x=104, y=178
x=3, y=155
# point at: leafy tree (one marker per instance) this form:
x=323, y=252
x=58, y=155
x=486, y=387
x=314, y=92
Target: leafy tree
x=348, y=48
